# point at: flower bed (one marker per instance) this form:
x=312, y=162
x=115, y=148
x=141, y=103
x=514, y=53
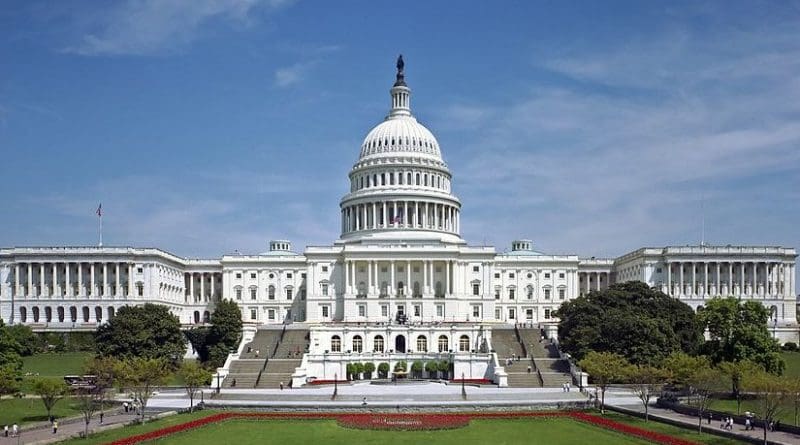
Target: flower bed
x=473, y=381
x=404, y=422
x=411, y=422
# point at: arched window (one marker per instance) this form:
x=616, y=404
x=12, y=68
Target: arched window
x=206, y=317
x=378, y=343
x=197, y=317
x=463, y=343
x=422, y=344
x=773, y=313
x=400, y=290
x=73, y=314
x=35, y=314
x=384, y=289
x=444, y=343
x=271, y=292
x=111, y=313
x=253, y=292
x=358, y=344
x=60, y=311
x=23, y=314
x=408, y=178
x=529, y=292
x=85, y=314
x=439, y=289
x=48, y=314
x=417, y=292
x=417, y=180
x=98, y=314
x=362, y=289
x=336, y=344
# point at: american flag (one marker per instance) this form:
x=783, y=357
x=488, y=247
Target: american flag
x=100, y=210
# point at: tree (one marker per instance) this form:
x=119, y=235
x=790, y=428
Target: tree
x=737, y=372
x=28, y=341
x=358, y=368
x=772, y=392
x=444, y=368
x=90, y=399
x=383, y=369
x=629, y=319
x=9, y=380
x=432, y=367
x=416, y=367
x=141, y=376
x=705, y=382
x=148, y=331
x=646, y=380
x=10, y=349
x=50, y=391
x=739, y=331
x=194, y=377
x=604, y=368
x=214, y=343
x=350, y=370
x=682, y=367
x=369, y=368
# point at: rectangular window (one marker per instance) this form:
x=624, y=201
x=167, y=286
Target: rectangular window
x=140, y=290
x=238, y=275
x=384, y=310
x=253, y=314
x=303, y=275
x=440, y=310
x=362, y=310
x=417, y=310
x=138, y=270
x=288, y=275
x=561, y=275
x=497, y=275
x=547, y=274
x=288, y=294
x=512, y=313
x=476, y=289
x=529, y=314
x=497, y=313
x=547, y=314
x=476, y=268
x=325, y=310
x=547, y=294
x=238, y=294
x=658, y=270
x=253, y=292
x=325, y=290
x=271, y=314
x=561, y=293
x=476, y=311
x=511, y=293
x=252, y=275
x=511, y=275
x=324, y=268
x=497, y=294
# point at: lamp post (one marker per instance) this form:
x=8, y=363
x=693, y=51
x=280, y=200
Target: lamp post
x=217, y=382
x=335, y=386
x=463, y=388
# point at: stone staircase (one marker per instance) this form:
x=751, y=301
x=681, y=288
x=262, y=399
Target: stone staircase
x=277, y=371
x=244, y=373
x=281, y=355
x=553, y=369
x=511, y=356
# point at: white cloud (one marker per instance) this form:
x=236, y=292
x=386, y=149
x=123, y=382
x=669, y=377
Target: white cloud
x=138, y=27
x=290, y=75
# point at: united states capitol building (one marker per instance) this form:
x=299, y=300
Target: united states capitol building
x=400, y=277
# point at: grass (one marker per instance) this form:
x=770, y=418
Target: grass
x=792, y=360
x=28, y=410
x=55, y=364
x=785, y=415
x=552, y=431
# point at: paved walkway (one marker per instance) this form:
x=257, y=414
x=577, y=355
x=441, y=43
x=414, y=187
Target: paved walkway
x=42, y=432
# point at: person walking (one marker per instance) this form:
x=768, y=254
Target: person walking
x=5, y=431
x=14, y=430
x=281, y=385
x=101, y=417
x=125, y=406
x=55, y=426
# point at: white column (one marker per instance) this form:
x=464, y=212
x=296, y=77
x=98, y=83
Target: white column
x=30, y=279
x=374, y=215
x=392, y=283
x=67, y=282
x=191, y=287
x=117, y=270
x=409, y=289
x=203, y=287
x=705, y=280
x=425, y=289
x=17, y=285
x=416, y=214
x=55, y=286
x=383, y=206
x=93, y=277
x=718, y=290
x=394, y=214
x=363, y=216
x=131, y=291
x=683, y=289
x=105, y=279
x=730, y=278
x=448, y=290
x=743, y=271
x=213, y=295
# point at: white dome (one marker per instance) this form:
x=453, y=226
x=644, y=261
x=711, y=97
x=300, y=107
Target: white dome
x=400, y=134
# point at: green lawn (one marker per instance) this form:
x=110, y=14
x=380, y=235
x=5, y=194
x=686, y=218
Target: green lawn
x=55, y=364
x=786, y=414
x=792, y=360
x=496, y=431
x=29, y=410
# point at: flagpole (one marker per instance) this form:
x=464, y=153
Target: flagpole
x=101, y=231
x=100, y=224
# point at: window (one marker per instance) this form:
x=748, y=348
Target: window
x=325, y=290
x=253, y=293
x=422, y=343
x=238, y=292
x=497, y=313
x=444, y=343
x=512, y=313
x=658, y=270
x=238, y=275
x=547, y=314
x=463, y=343
x=417, y=310
x=272, y=275
x=140, y=289
x=476, y=268
x=288, y=293
x=497, y=293
x=511, y=293
x=138, y=270
x=271, y=314
x=362, y=310
x=440, y=310
x=384, y=310
x=288, y=275
x=253, y=314
x=252, y=275
x=358, y=344
x=530, y=275
x=325, y=311
x=324, y=268
x=378, y=343
x=303, y=275
x=476, y=311
x=336, y=344
x=476, y=289
x=547, y=274
x=497, y=275
x=561, y=275
x=511, y=275
x=271, y=292
x=529, y=314
x=561, y=293
x=529, y=292
x=547, y=294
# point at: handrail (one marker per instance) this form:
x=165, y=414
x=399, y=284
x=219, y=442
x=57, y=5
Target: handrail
x=263, y=368
x=541, y=380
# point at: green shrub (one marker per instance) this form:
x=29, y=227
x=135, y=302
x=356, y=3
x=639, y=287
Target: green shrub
x=369, y=368
x=351, y=371
x=432, y=367
x=790, y=346
x=383, y=370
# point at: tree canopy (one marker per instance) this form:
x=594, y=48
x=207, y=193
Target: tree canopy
x=739, y=331
x=641, y=324
x=148, y=331
x=605, y=368
x=10, y=348
x=215, y=342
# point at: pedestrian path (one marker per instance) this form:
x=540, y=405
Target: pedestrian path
x=42, y=432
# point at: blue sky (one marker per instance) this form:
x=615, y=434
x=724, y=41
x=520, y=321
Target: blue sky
x=210, y=126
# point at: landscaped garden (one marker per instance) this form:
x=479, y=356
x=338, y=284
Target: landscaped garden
x=555, y=428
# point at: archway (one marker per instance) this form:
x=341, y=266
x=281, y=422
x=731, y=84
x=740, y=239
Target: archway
x=400, y=344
